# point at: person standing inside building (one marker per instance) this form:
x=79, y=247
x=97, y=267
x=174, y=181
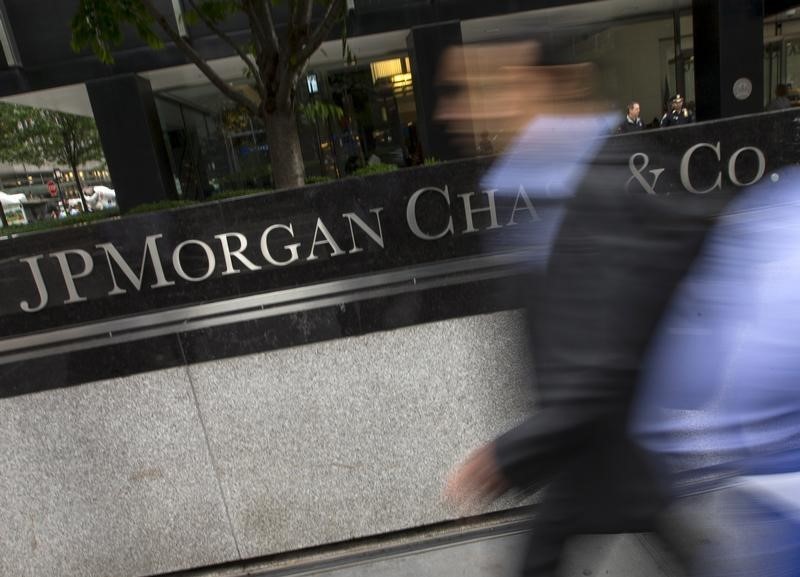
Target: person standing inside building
x=677, y=114
x=781, y=101
x=485, y=146
x=632, y=122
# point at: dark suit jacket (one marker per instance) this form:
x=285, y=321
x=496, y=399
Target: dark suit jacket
x=628, y=126
x=614, y=265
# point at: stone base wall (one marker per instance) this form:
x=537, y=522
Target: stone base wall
x=252, y=455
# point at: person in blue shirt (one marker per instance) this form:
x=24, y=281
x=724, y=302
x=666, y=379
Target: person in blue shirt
x=611, y=261
x=719, y=409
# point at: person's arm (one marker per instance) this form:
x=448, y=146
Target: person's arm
x=531, y=452
x=522, y=458
x=476, y=480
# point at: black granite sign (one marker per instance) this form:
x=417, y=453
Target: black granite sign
x=225, y=258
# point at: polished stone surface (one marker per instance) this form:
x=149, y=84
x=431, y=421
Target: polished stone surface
x=112, y=478
x=669, y=163
x=636, y=555
x=666, y=163
x=84, y=366
x=344, y=252
x=253, y=336
x=349, y=319
x=332, y=441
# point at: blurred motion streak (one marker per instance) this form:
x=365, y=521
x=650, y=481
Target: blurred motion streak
x=614, y=261
x=719, y=410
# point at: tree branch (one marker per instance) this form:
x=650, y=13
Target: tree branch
x=333, y=14
x=259, y=33
x=301, y=17
x=229, y=41
x=286, y=88
x=262, y=14
x=289, y=72
x=267, y=49
x=197, y=60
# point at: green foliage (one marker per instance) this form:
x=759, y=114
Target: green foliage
x=41, y=135
x=72, y=139
x=318, y=179
x=69, y=221
x=160, y=205
x=19, y=135
x=98, y=25
x=311, y=112
x=254, y=173
x=235, y=118
x=213, y=10
x=375, y=169
x=431, y=160
x=276, y=58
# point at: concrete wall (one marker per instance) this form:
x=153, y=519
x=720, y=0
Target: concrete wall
x=251, y=455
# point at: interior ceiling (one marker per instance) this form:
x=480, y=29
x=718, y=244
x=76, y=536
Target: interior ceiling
x=188, y=84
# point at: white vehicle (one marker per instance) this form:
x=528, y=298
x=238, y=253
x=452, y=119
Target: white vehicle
x=101, y=198
x=8, y=199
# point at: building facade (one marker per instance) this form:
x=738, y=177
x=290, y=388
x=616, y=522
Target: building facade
x=195, y=142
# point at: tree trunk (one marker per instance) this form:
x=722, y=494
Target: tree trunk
x=284, y=150
x=80, y=188
x=3, y=218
